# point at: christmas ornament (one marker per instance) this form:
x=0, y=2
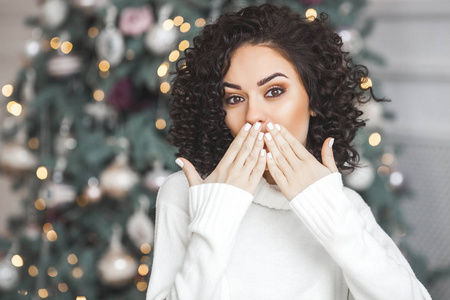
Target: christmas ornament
x=64, y=65
x=396, y=180
x=118, y=178
x=54, y=12
x=140, y=227
x=361, y=178
x=155, y=178
x=64, y=141
x=110, y=45
x=89, y=6
x=353, y=42
x=9, y=274
x=159, y=40
x=57, y=193
x=100, y=111
x=135, y=20
x=117, y=267
x=15, y=156
x=92, y=191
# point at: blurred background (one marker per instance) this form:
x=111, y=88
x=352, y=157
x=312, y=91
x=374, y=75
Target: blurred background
x=83, y=116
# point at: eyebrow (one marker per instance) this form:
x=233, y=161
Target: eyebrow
x=259, y=83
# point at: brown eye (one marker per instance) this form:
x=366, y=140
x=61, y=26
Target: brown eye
x=233, y=100
x=274, y=92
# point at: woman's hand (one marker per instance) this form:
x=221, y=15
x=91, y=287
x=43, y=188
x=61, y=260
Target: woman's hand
x=242, y=165
x=292, y=166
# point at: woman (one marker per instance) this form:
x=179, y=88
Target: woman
x=264, y=110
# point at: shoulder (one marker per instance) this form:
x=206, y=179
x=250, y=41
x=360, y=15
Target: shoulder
x=175, y=191
x=356, y=199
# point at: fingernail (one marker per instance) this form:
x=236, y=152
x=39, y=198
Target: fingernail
x=268, y=136
x=278, y=127
x=263, y=152
x=179, y=162
x=257, y=126
x=247, y=126
x=260, y=136
x=269, y=155
x=270, y=126
x=330, y=143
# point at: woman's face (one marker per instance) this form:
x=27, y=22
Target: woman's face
x=262, y=86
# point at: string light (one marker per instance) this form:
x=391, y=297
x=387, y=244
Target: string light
x=77, y=272
x=62, y=287
x=387, y=159
x=200, y=22
x=72, y=259
x=7, y=90
x=163, y=68
x=52, y=236
x=366, y=83
x=81, y=298
x=375, y=139
x=17, y=261
x=178, y=20
x=383, y=171
x=92, y=32
x=143, y=270
x=104, y=66
x=160, y=124
x=47, y=227
x=99, y=95
x=40, y=204
x=42, y=173
x=33, y=271
x=173, y=56
x=66, y=47
x=165, y=87
x=141, y=286
x=52, y=272
x=185, y=27
x=311, y=14
x=167, y=24
x=33, y=143
x=14, y=108
x=55, y=42
x=146, y=248
x=22, y=292
x=43, y=293
x=183, y=45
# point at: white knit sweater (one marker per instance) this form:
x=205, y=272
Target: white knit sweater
x=216, y=241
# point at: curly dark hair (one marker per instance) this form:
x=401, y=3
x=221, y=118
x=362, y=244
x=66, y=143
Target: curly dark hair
x=329, y=76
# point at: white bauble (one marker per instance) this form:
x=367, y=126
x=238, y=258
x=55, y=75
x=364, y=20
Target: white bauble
x=353, y=42
x=361, y=178
x=110, y=46
x=9, y=274
x=117, y=179
x=89, y=5
x=64, y=65
x=160, y=41
x=92, y=191
x=57, y=193
x=140, y=227
x=55, y=12
x=16, y=157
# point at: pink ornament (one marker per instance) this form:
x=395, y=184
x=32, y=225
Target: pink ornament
x=135, y=20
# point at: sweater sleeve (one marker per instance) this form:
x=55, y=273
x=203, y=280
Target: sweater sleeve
x=373, y=266
x=193, y=245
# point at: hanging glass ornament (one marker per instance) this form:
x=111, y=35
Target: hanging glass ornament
x=110, y=44
x=55, y=12
x=361, y=178
x=352, y=39
x=15, y=156
x=64, y=141
x=117, y=267
x=160, y=40
x=155, y=178
x=140, y=227
x=57, y=193
x=64, y=65
x=93, y=191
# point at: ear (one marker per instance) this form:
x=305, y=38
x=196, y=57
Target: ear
x=312, y=113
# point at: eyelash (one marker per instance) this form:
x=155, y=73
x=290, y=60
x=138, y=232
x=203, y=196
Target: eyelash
x=282, y=90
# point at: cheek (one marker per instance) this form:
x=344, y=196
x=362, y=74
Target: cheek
x=233, y=123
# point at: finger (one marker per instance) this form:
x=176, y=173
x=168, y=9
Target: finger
x=298, y=147
x=277, y=156
x=189, y=170
x=276, y=173
x=247, y=146
x=327, y=155
x=252, y=158
x=260, y=167
x=235, y=146
x=283, y=145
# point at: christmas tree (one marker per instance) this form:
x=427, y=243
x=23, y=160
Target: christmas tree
x=85, y=140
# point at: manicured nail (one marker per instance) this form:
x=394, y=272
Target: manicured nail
x=270, y=126
x=269, y=155
x=247, y=126
x=330, y=143
x=263, y=152
x=260, y=136
x=278, y=127
x=257, y=126
x=179, y=162
x=268, y=136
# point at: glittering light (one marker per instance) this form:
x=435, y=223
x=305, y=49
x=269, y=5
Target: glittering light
x=14, y=108
x=366, y=83
x=383, y=171
x=375, y=139
x=77, y=272
x=178, y=20
x=7, y=90
x=33, y=271
x=99, y=95
x=17, y=261
x=173, y=56
x=72, y=259
x=47, y=227
x=33, y=143
x=52, y=272
x=185, y=27
x=311, y=14
x=165, y=87
x=163, y=68
x=160, y=124
x=39, y=204
x=396, y=179
x=55, y=42
x=141, y=286
x=168, y=24
x=92, y=32
x=66, y=47
x=387, y=159
x=62, y=287
x=183, y=45
x=80, y=298
x=200, y=22
x=143, y=270
x=42, y=172
x=146, y=248
x=43, y=293
x=52, y=236
x=104, y=66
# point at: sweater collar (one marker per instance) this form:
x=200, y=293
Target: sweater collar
x=270, y=196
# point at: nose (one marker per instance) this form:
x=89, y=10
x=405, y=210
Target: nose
x=256, y=112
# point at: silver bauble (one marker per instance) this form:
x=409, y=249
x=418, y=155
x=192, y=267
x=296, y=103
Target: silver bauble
x=160, y=41
x=57, y=193
x=117, y=267
x=64, y=144
x=55, y=12
x=140, y=227
x=9, y=274
x=110, y=46
x=117, y=179
x=361, y=178
x=32, y=48
x=155, y=178
x=92, y=191
x=64, y=65
x=353, y=42
x=16, y=157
